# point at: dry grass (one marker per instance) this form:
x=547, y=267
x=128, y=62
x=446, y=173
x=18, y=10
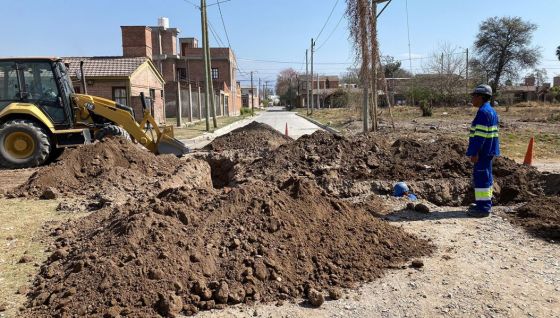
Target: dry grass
x=21, y=233
x=333, y=117
x=514, y=145
x=197, y=129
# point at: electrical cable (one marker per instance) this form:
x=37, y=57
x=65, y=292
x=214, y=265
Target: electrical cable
x=328, y=19
x=331, y=34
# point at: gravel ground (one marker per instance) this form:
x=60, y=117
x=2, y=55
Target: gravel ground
x=482, y=268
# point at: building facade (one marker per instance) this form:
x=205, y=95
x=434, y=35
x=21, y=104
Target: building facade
x=121, y=79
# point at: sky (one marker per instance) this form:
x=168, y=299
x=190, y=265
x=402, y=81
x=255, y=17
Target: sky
x=268, y=35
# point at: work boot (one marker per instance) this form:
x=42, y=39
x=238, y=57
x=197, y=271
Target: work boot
x=474, y=212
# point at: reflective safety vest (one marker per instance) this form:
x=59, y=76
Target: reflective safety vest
x=483, y=137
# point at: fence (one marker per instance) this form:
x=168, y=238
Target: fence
x=193, y=104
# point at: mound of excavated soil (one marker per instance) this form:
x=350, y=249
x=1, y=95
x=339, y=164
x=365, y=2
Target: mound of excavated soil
x=254, y=137
x=353, y=166
x=114, y=170
x=187, y=250
x=540, y=217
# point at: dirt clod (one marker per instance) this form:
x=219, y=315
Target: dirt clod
x=335, y=293
x=48, y=194
x=422, y=208
x=25, y=259
x=417, y=263
x=315, y=297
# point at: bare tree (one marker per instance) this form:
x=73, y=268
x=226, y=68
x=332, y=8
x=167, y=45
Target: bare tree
x=449, y=65
x=503, y=48
x=558, y=52
x=286, y=83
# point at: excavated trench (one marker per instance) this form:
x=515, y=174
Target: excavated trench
x=222, y=171
x=245, y=225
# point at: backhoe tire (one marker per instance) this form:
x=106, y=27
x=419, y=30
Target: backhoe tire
x=111, y=131
x=23, y=144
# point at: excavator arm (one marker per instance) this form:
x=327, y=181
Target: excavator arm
x=158, y=139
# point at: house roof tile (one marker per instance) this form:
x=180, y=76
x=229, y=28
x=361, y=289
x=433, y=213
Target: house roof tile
x=105, y=66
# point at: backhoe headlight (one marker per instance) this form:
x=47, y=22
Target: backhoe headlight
x=90, y=106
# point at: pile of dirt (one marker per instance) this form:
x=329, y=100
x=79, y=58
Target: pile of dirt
x=186, y=250
x=112, y=171
x=436, y=167
x=254, y=137
x=540, y=217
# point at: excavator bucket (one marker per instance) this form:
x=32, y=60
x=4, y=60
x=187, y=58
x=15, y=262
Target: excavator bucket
x=170, y=145
x=167, y=144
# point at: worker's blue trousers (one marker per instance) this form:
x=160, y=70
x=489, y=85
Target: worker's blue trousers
x=483, y=181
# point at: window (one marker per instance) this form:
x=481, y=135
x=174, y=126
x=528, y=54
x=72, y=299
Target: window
x=153, y=93
x=9, y=88
x=215, y=73
x=40, y=84
x=119, y=95
x=181, y=74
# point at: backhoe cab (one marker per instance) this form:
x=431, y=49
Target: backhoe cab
x=40, y=116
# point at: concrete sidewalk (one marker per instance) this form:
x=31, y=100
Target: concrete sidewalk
x=276, y=117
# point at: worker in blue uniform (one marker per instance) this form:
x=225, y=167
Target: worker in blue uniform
x=484, y=145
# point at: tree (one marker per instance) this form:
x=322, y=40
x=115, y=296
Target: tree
x=540, y=76
x=351, y=76
x=392, y=68
x=448, y=66
x=286, y=85
x=503, y=48
x=558, y=52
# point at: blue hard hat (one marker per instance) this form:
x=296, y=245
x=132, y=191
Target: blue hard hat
x=482, y=89
x=400, y=189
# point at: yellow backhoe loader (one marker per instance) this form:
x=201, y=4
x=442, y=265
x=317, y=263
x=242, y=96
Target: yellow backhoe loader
x=40, y=116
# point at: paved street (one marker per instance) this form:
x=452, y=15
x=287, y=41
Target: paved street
x=276, y=117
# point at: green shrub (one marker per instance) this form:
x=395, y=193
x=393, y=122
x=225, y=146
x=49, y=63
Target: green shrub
x=245, y=110
x=426, y=107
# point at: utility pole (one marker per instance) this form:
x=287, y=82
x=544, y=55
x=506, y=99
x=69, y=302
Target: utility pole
x=442, y=63
x=252, y=97
x=467, y=74
x=318, y=97
x=312, y=51
x=266, y=90
x=307, y=79
x=212, y=101
x=374, y=64
x=206, y=61
x=259, y=91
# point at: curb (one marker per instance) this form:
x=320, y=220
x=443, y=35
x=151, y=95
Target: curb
x=220, y=131
x=323, y=126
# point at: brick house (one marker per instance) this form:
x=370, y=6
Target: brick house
x=181, y=63
x=121, y=79
x=224, y=66
x=327, y=85
x=247, y=94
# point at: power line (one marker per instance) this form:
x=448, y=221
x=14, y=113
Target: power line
x=331, y=34
x=215, y=34
x=292, y=62
x=326, y=22
x=223, y=24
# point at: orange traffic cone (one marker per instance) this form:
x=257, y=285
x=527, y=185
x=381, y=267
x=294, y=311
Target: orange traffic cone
x=286, y=132
x=529, y=155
